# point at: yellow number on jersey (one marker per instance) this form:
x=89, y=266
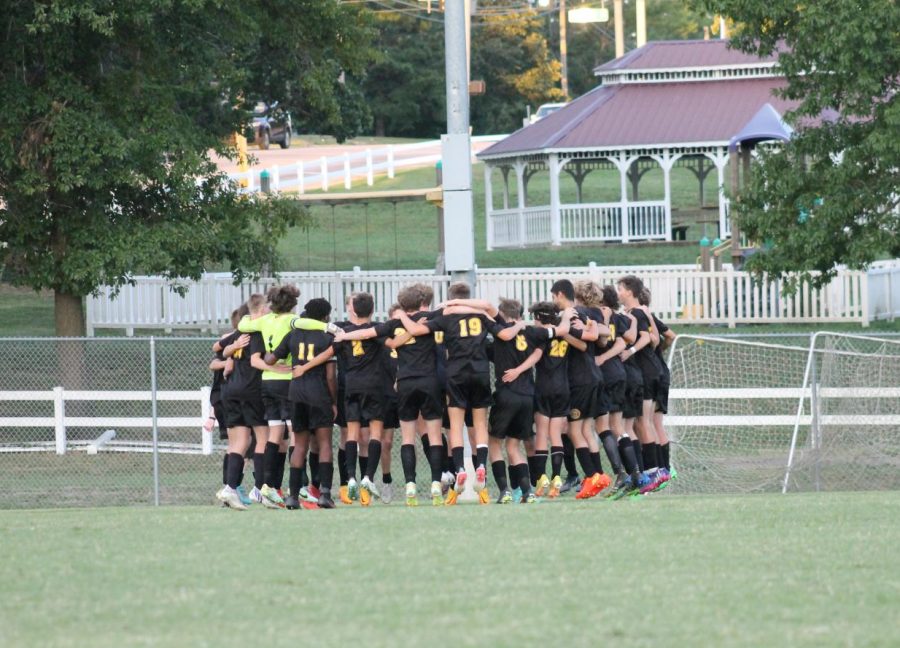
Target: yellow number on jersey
x=438, y=337
x=399, y=332
x=521, y=344
x=394, y=353
x=310, y=351
x=238, y=354
x=358, y=348
x=471, y=326
x=612, y=332
x=558, y=348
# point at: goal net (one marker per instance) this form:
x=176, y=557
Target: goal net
x=754, y=416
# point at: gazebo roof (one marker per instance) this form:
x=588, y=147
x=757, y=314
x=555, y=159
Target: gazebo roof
x=766, y=124
x=665, y=94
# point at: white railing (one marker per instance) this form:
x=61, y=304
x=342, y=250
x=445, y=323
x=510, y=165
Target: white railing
x=591, y=222
x=329, y=171
x=647, y=220
x=681, y=294
x=884, y=288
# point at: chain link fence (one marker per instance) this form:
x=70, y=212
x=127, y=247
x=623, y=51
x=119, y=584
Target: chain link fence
x=118, y=421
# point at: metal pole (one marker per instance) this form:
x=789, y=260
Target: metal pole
x=153, y=416
x=814, y=428
x=619, y=21
x=563, y=50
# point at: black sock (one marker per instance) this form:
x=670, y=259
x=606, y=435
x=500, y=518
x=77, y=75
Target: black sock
x=372, y=460
x=426, y=444
x=436, y=457
x=304, y=478
x=523, y=480
x=326, y=475
x=664, y=456
x=408, y=459
x=314, y=469
x=499, y=468
x=595, y=459
x=612, y=451
x=540, y=465
x=447, y=463
x=235, y=469
x=269, y=456
x=586, y=461
x=569, y=457
x=342, y=466
x=638, y=453
x=350, y=453
x=626, y=451
x=556, y=460
x=278, y=478
x=386, y=478
x=513, y=472
x=458, y=459
x=225, y=469
x=363, y=465
x=649, y=452
x=481, y=456
x=294, y=481
x=259, y=462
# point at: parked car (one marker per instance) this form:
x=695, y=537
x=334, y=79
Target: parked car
x=542, y=112
x=271, y=124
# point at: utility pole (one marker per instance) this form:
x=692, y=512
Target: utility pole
x=641, y=22
x=456, y=152
x=563, y=50
x=619, y=20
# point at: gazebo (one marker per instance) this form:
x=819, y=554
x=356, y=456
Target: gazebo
x=666, y=104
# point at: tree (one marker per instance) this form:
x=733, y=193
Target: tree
x=110, y=111
x=831, y=195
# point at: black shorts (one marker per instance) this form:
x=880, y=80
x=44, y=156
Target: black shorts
x=512, y=415
x=470, y=390
x=651, y=388
x=244, y=413
x=219, y=412
x=614, y=395
x=634, y=392
x=341, y=419
x=582, y=402
x=391, y=412
x=275, y=401
x=362, y=408
x=308, y=417
x=552, y=405
x=662, y=396
x=419, y=396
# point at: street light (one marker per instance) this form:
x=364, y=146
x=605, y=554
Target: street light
x=585, y=14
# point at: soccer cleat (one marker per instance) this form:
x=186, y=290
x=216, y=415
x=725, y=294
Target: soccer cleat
x=412, y=497
x=353, y=489
x=460, y=481
x=484, y=496
x=530, y=499
x=593, y=485
x=543, y=483
x=255, y=496
x=555, y=485
x=291, y=503
x=622, y=488
x=570, y=483
x=506, y=497
x=517, y=495
x=325, y=501
x=231, y=499
x=219, y=497
x=245, y=499
x=659, y=479
x=306, y=496
x=673, y=474
x=345, y=495
x=314, y=492
x=367, y=491
x=447, y=480
x=437, y=494
x=309, y=506
x=271, y=495
x=387, y=493
x=451, y=497
x=480, y=479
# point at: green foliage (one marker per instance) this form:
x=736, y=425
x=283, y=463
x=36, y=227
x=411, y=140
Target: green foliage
x=829, y=196
x=111, y=111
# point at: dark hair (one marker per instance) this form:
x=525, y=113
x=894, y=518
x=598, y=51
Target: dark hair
x=283, y=299
x=459, y=290
x=510, y=308
x=409, y=298
x=644, y=297
x=363, y=304
x=394, y=307
x=317, y=309
x=610, y=297
x=545, y=313
x=565, y=287
x=238, y=314
x=632, y=284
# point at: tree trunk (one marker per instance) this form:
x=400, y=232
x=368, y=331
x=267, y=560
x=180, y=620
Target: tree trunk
x=69, y=314
x=379, y=126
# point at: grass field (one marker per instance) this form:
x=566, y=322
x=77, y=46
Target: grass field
x=802, y=570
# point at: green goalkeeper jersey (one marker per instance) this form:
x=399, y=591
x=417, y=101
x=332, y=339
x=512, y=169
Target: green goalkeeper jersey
x=274, y=327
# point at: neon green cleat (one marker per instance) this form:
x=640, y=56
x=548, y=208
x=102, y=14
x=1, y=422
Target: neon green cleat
x=272, y=496
x=412, y=497
x=437, y=494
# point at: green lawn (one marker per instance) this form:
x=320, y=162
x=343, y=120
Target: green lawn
x=801, y=570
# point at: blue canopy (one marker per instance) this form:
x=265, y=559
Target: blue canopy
x=766, y=124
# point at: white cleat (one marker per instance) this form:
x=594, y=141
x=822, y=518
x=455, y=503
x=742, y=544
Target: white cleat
x=231, y=499
x=256, y=496
x=353, y=489
x=387, y=493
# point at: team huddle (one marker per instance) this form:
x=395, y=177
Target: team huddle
x=586, y=370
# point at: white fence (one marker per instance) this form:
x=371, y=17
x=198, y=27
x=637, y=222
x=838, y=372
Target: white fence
x=884, y=290
x=329, y=171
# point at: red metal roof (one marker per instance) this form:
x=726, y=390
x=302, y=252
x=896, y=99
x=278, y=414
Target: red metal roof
x=681, y=54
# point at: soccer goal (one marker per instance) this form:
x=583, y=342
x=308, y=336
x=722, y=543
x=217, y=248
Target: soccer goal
x=819, y=413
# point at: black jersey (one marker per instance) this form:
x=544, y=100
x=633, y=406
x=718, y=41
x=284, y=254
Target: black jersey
x=613, y=369
x=417, y=357
x=646, y=359
x=363, y=361
x=302, y=346
x=215, y=391
x=583, y=371
x=245, y=382
x=510, y=354
x=552, y=369
x=662, y=328
x=390, y=365
x=465, y=337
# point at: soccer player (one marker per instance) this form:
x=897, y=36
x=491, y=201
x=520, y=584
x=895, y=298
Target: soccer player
x=512, y=416
x=313, y=389
x=244, y=410
x=584, y=383
x=641, y=355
